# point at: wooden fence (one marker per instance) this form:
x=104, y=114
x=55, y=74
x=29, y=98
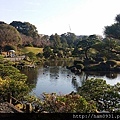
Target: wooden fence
x=28, y=106
x=13, y=59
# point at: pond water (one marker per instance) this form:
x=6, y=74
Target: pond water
x=54, y=77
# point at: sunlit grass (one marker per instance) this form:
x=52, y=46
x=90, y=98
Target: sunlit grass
x=32, y=49
x=118, y=63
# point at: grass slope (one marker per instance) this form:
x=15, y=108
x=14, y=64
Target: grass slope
x=32, y=49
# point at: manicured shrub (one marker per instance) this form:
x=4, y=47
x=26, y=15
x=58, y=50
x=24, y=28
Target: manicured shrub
x=102, y=65
x=80, y=66
x=40, y=55
x=31, y=55
x=111, y=63
x=100, y=59
x=93, y=68
x=78, y=62
x=91, y=61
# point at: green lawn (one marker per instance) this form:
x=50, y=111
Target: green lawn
x=32, y=49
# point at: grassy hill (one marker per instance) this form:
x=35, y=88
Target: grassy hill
x=32, y=49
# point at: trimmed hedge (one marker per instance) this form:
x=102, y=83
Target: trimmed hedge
x=78, y=62
x=79, y=66
x=111, y=63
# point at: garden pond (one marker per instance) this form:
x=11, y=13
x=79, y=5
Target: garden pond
x=54, y=77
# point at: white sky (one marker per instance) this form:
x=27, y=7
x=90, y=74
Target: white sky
x=84, y=17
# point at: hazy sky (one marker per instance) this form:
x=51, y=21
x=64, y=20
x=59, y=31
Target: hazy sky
x=82, y=17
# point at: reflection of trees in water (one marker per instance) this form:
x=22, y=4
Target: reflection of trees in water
x=58, y=63
x=83, y=78
x=54, y=72
x=53, y=69
x=110, y=74
x=94, y=73
x=75, y=84
x=32, y=75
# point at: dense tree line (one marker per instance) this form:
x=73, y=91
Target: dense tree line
x=29, y=35
x=9, y=35
x=25, y=28
x=21, y=34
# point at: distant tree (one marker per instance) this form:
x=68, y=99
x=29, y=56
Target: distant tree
x=2, y=22
x=25, y=28
x=117, y=18
x=112, y=48
x=43, y=41
x=55, y=40
x=70, y=37
x=85, y=44
x=45, y=37
x=63, y=41
x=47, y=52
x=26, y=40
x=108, y=47
x=113, y=30
x=9, y=35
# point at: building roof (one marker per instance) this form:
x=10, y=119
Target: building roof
x=11, y=50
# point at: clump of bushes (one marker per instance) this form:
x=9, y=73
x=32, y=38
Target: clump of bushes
x=74, y=103
x=106, y=96
x=92, y=68
x=31, y=55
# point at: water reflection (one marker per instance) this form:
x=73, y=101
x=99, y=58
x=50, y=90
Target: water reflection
x=75, y=84
x=32, y=75
x=83, y=77
x=95, y=73
x=53, y=76
x=111, y=75
x=58, y=63
x=54, y=79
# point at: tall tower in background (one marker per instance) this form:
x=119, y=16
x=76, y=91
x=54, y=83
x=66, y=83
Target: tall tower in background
x=69, y=28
